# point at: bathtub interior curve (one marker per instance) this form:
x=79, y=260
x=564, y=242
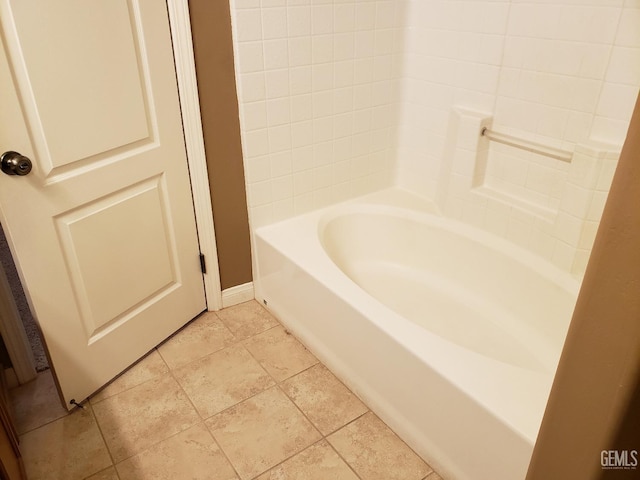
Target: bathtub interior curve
x=471, y=289
x=451, y=335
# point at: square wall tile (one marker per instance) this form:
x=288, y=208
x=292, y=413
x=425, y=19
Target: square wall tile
x=299, y=20
x=252, y=87
x=250, y=58
x=576, y=200
x=321, y=19
x=276, y=54
x=274, y=23
x=248, y=25
x=277, y=84
x=299, y=51
x=254, y=115
x=628, y=34
x=563, y=255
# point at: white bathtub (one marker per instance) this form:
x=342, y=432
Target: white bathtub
x=451, y=335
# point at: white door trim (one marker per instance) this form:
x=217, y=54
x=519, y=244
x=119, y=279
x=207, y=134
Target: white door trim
x=192, y=125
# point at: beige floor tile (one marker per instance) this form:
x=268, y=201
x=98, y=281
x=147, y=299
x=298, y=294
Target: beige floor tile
x=222, y=379
x=261, y=432
x=192, y=454
x=144, y=415
x=280, y=353
x=323, y=399
x=376, y=453
x=247, y=319
x=36, y=403
x=205, y=335
x=69, y=448
x=148, y=368
x=318, y=462
x=108, y=474
x=433, y=476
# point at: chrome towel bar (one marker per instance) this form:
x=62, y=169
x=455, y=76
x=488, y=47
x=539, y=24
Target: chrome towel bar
x=540, y=149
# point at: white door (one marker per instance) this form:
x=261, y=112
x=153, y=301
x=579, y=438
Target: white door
x=103, y=227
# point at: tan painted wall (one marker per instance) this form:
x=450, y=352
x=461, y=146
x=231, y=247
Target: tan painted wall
x=211, y=31
x=595, y=401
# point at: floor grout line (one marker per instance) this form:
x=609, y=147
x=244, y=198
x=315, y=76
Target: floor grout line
x=237, y=342
x=277, y=384
x=226, y=456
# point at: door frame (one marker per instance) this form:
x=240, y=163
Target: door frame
x=11, y=326
x=14, y=334
x=184, y=60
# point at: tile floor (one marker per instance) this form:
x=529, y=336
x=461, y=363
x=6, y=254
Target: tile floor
x=231, y=396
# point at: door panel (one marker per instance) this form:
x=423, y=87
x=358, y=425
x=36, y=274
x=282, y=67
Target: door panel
x=90, y=234
x=103, y=228
x=72, y=94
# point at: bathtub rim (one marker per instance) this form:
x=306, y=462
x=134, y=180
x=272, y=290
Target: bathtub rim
x=542, y=266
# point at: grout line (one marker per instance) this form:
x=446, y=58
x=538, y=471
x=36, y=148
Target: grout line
x=104, y=440
x=323, y=437
x=96, y=402
x=237, y=343
x=15, y=398
x=149, y=447
x=168, y=374
x=224, y=454
x=48, y=422
x=233, y=467
x=171, y=373
x=304, y=450
x=278, y=385
x=184, y=327
x=103, y=471
x=344, y=459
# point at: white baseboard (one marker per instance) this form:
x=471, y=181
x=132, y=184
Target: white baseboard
x=238, y=294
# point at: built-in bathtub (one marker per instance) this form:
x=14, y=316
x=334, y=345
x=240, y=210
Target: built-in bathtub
x=450, y=334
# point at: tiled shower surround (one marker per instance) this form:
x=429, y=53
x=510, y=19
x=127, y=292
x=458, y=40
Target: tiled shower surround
x=318, y=99
x=341, y=97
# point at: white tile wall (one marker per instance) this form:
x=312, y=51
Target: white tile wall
x=340, y=97
x=562, y=72
x=573, y=77
x=558, y=72
x=317, y=83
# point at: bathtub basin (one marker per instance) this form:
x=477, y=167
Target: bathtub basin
x=450, y=334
